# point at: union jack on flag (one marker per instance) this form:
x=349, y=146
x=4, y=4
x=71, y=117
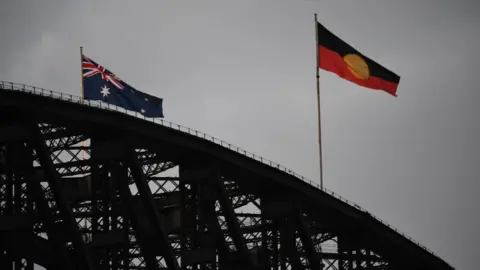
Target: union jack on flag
x=93, y=69
x=101, y=84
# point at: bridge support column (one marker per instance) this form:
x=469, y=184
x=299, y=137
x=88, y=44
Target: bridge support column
x=152, y=211
x=210, y=189
x=24, y=166
x=53, y=179
x=306, y=238
x=198, y=212
x=268, y=242
x=232, y=222
x=120, y=175
x=110, y=228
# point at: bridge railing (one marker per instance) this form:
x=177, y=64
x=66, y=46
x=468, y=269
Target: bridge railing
x=75, y=99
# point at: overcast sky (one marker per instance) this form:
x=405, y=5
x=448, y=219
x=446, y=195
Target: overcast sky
x=244, y=71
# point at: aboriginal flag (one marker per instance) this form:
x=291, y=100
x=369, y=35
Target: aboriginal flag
x=342, y=59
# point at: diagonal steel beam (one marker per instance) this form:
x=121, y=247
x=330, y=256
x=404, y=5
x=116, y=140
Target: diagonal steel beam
x=306, y=238
x=232, y=222
x=153, y=215
x=36, y=191
x=119, y=174
x=54, y=182
x=207, y=203
x=287, y=240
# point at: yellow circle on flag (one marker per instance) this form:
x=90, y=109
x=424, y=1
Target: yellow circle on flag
x=357, y=66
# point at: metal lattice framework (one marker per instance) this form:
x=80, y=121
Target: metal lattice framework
x=85, y=185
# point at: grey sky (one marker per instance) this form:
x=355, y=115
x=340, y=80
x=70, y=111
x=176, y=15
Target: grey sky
x=244, y=72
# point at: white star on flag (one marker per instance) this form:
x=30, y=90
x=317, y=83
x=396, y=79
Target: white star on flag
x=105, y=91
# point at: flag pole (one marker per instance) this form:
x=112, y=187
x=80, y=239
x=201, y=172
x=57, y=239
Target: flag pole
x=81, y=74
x=81, y=93
x=317, y=68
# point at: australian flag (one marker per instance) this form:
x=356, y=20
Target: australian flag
x=100, y=84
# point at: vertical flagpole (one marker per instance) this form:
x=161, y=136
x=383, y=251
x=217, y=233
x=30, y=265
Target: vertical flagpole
x=81, y=74
x=317, y=68
x=81, y=93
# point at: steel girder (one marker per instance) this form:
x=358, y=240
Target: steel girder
x=116, y=227
x=79, y=198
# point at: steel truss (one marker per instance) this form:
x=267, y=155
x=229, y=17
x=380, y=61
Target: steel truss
x=77, y=198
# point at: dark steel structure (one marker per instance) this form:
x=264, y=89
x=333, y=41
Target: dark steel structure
x=143, y=194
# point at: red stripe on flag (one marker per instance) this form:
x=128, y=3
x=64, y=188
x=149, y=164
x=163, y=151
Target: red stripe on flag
x=333, y=62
